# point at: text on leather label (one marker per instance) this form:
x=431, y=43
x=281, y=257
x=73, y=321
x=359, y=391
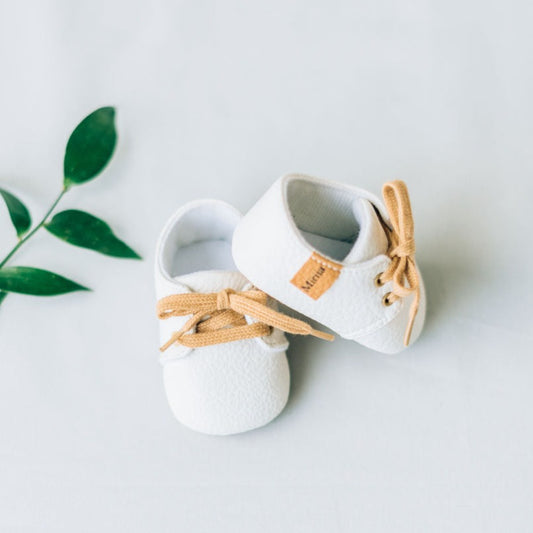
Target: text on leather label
x=316, y=276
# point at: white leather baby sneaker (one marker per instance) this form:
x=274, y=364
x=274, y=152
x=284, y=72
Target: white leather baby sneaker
x=335, y=253
x=223, y=354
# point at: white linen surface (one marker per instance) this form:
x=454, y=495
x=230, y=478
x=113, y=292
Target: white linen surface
x=218, y=99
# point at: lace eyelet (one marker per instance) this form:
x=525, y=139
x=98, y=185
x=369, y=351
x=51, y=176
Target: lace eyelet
x=386, y=301
x=378, y=282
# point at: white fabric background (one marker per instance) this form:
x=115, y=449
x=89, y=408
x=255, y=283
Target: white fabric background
x=218, y=99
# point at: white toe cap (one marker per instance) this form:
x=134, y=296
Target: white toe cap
x=226, y=389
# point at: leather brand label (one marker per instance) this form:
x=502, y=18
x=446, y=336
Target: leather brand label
x=316, y=276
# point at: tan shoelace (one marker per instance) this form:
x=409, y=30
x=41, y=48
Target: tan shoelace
x=402, y=269
x=219, y=317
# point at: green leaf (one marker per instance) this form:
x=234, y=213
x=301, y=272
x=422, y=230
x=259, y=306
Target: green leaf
x=20, y=216
x=90, y=147
x=2, y=296
x=85, y=230
x=28, y=280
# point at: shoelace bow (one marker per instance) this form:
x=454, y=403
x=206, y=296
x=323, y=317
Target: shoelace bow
x=402, y=270
x=220, y=317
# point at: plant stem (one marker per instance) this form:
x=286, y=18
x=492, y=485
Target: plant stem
x=34, y=230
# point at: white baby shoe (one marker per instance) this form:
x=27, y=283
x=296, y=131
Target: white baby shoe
x=224, y=364
x=335, y=253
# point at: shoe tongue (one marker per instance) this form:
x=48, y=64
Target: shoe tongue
x=213, y=281
x=372, y=239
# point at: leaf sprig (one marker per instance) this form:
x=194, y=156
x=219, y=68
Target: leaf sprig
x=89, y=149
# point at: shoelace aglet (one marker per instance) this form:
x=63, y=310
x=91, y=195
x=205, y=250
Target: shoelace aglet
x=410, y=324
x=408, y=331
x=169, y=343
x=322, y=335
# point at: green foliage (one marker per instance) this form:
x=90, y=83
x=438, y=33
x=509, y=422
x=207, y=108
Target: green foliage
x=85, y=230
x=90, y=147
x=28, y=280
x=20, y=216
x=89, y=150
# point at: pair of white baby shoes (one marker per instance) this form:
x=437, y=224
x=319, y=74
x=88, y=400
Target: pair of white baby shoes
x=332, y=252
